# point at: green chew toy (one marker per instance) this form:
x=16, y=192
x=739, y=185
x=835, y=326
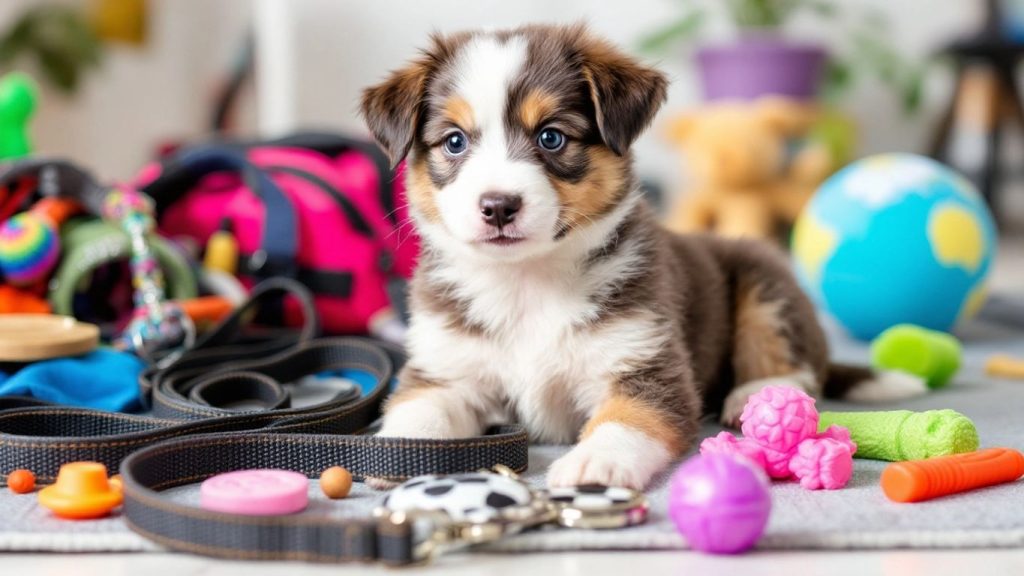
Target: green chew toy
x=17, y=102
x=904, y=435
x=931, y=355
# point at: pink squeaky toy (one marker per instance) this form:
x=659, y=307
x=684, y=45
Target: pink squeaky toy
x=780, y=426
x=720, y=503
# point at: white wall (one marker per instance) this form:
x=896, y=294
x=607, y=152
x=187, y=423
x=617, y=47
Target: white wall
x=359, y=41
x=141, y=96
x=162, y=91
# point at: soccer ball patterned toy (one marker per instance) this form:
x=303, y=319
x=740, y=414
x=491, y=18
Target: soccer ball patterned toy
x=780, y=428
x=491, y=505
x=474, y=496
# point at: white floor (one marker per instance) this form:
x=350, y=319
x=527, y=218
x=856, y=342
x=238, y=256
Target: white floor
x=892, y=563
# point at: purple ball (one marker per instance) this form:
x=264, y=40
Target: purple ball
x=720, y=503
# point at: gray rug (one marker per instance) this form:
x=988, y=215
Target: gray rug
x=858, y=516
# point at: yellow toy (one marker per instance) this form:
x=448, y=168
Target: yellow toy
x=754, y=165
x=1003, y=366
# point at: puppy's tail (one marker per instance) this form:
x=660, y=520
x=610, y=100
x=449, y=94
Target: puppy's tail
x=862, y=384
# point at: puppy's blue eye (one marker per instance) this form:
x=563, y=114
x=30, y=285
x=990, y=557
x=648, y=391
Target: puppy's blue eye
x=551, y=139
x=456, y=143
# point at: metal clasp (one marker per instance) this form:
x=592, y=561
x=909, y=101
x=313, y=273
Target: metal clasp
x=435, y=533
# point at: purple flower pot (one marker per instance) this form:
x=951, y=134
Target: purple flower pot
x=760, y=65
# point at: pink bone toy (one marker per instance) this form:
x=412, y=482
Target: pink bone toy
x=780, y=427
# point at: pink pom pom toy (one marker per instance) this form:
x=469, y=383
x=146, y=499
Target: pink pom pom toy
x=726, y=443
x=780, y=427
x=779, y=417
x=822, y=463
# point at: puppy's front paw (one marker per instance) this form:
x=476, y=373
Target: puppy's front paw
x=423, y=418
x=614, y=455
x=733, y=407
x=427, y=417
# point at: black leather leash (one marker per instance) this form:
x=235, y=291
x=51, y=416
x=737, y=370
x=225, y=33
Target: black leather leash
x=194, y=434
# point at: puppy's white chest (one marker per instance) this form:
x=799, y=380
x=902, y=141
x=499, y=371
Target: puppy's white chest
x=539, y=356
x=548, y=375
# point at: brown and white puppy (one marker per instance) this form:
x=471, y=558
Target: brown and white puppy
x=546, y=294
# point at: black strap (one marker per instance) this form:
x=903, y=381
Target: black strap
x=334, y=283
x=332, y=144
x=56, y=177
x=279, y=245
x=196, y=433
x=352, y=215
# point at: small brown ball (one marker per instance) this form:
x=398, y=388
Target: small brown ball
x=336, y=482
x=21, y=481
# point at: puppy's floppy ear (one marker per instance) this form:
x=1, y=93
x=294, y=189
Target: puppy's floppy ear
x=626, y=94
x=392, y=108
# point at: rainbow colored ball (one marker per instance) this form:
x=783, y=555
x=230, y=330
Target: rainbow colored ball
x=29, y=249
x=720, y=503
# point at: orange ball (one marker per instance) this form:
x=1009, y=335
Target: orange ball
x=336, y=482
x=115, y=482
x=21, y=481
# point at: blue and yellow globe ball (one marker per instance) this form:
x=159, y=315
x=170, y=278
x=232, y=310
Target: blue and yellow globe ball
x=894, y=239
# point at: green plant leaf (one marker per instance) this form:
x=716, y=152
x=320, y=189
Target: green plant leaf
x=762, y=13
x=836, y=80
x=913, y=89
x=682, y=29
x=59, y=38
x=822, y=8
x=18, y=38
x=58, y=70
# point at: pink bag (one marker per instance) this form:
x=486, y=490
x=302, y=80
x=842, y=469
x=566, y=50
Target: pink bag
x=323, y=209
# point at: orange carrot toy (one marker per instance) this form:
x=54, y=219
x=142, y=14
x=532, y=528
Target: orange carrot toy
x=919, y=480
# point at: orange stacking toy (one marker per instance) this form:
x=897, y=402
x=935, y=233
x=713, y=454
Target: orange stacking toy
x=82, y=491
x=919, y=480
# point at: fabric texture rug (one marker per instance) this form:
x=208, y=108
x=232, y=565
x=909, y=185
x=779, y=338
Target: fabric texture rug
x=858, y=516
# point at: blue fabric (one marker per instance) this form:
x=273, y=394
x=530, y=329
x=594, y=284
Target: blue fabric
x=361, y=378
x=105, y=379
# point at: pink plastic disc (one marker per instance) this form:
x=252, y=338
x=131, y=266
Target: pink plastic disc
x=255, y=492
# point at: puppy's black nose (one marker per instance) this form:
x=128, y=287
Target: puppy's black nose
x=498, y=208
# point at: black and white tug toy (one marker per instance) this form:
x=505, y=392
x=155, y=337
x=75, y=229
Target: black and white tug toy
x=481, y=507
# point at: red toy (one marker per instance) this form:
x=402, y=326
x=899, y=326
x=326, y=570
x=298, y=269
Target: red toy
x=918, y=480
x=21, y=481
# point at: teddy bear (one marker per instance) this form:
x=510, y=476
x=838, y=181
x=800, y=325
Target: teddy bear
x=754, y=164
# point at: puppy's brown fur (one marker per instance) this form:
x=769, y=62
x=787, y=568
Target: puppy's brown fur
x=657, y=330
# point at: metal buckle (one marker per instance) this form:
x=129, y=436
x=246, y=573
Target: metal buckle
x=439, y=533
x=631, y=511
x=435, y=531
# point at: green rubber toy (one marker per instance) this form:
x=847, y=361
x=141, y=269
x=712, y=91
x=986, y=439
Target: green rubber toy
x=18, y=97
x=931, y=355
x=901, y=435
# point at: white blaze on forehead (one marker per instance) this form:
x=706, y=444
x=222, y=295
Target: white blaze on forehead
x=485, y=71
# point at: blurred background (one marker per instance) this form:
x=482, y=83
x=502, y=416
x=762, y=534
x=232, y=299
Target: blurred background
x=902, y=120
x=162, y=84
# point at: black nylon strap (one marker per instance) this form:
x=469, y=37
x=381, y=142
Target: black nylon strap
x=336, y=283
x=195, y=434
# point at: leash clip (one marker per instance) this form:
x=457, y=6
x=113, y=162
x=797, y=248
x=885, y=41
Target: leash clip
x=462, y=510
